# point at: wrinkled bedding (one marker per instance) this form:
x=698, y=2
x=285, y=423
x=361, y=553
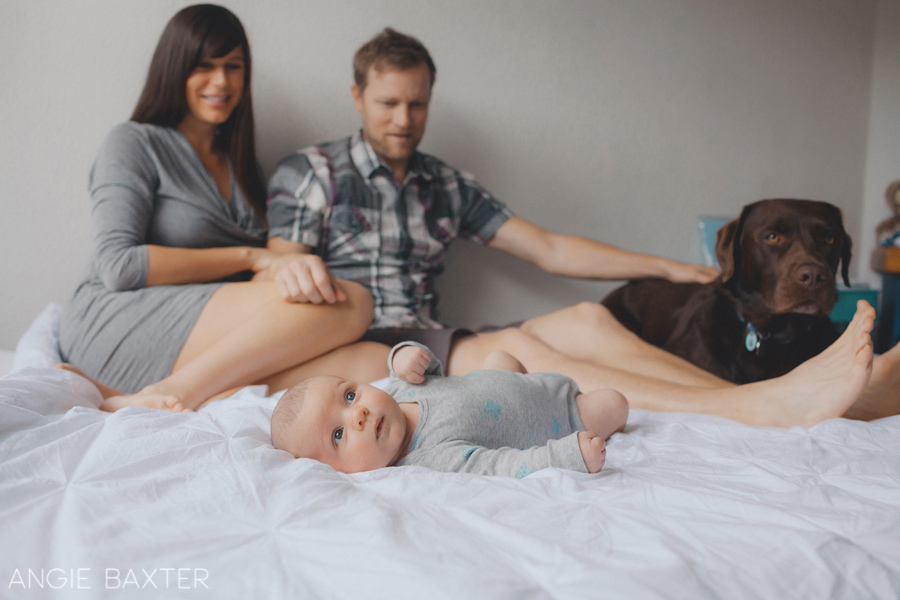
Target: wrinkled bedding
x=202, y=506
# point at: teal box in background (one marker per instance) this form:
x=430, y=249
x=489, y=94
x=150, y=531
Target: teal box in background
x=708, y=228
x=846, y=304
x=847, y=297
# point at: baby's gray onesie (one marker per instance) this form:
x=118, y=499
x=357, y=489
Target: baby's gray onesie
x=491, y=422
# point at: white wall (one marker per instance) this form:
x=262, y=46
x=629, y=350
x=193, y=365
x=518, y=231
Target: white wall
x=618, y=119
x=883, y=149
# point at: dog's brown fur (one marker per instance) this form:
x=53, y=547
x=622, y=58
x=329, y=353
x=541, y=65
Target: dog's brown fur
x=779, y=262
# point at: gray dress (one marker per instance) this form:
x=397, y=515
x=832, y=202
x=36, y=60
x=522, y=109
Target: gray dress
x=148, y=186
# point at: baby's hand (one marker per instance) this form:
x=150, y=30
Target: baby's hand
x=411, y=362
x=593, y=450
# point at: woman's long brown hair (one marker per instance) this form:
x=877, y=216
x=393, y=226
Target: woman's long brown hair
x=194, y=34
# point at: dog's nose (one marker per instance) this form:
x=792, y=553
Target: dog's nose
x=811, y=276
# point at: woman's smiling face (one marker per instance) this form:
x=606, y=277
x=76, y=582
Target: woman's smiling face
x=215, y=87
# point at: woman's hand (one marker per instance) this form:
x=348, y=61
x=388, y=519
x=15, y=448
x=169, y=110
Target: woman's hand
x=299, y=277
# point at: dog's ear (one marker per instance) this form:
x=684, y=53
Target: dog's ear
x=846, y=245
x=725, y=248
x=729, y=251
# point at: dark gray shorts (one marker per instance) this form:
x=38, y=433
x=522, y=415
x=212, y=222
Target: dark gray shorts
x=436, y=340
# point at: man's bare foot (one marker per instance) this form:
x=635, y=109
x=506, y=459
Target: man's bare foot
x=881, y=398
x=823, y=387
x=503, y=361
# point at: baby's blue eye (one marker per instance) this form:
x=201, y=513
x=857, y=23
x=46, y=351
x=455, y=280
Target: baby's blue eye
x=338, y=436
x=350, y=397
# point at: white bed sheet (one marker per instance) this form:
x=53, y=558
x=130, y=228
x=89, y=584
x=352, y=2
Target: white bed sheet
x=687, y=507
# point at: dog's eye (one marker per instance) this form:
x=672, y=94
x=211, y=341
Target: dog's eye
x=829, y=239
x=773, y=237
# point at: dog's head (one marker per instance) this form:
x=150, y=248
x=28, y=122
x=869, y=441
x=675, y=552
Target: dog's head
x=786, y=253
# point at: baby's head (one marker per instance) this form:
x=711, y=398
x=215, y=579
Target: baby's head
x=352, y=427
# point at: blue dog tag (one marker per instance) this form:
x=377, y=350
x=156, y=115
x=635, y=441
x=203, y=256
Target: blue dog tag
x=751, y=341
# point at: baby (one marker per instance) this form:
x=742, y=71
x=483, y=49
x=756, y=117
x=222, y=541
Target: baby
x=490, y=422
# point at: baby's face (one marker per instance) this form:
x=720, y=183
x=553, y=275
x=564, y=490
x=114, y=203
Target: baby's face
x=353, y=427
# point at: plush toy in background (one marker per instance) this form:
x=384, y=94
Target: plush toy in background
x=888, y=231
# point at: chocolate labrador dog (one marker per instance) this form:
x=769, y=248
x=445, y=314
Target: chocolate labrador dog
x=767, y=312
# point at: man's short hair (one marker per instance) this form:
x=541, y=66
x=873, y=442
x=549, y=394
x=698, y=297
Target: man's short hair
x=390, y=49
x=285, y=415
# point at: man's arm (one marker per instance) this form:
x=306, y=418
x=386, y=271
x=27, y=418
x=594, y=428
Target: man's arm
x=576, y=256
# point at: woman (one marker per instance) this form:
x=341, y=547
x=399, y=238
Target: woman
x=178, y=208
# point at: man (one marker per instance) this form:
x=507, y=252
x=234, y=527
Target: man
x=374, y=210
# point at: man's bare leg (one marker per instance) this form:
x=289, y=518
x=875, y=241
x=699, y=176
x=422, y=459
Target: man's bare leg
x=824, y=387
x=881, y=397
x=498, y=360
x=589, y=332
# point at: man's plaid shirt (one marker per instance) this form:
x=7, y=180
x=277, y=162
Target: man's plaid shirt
x=344, y=203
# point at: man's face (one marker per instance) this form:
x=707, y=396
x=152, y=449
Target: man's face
x=352, y=427
x=394, y=108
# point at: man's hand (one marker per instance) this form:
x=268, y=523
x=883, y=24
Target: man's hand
x=410, y=363
x=593, y=450
x=301, y=278
x=680, y=272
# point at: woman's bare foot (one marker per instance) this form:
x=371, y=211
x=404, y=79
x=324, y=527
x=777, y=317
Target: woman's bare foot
x=113, y=400
x=881, y=398
x=105, y=390
x=159, y=402
x=823, y=387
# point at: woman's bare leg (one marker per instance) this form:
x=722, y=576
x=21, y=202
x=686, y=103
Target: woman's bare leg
x=247, y=333
x=362, y=361
x=589, y=332
x=823, y=387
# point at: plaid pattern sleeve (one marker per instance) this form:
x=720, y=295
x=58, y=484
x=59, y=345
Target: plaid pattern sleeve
x=297, y=200
x=481, y=215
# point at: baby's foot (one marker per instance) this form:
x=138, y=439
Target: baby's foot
x=593, y=450
x=823, y=387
